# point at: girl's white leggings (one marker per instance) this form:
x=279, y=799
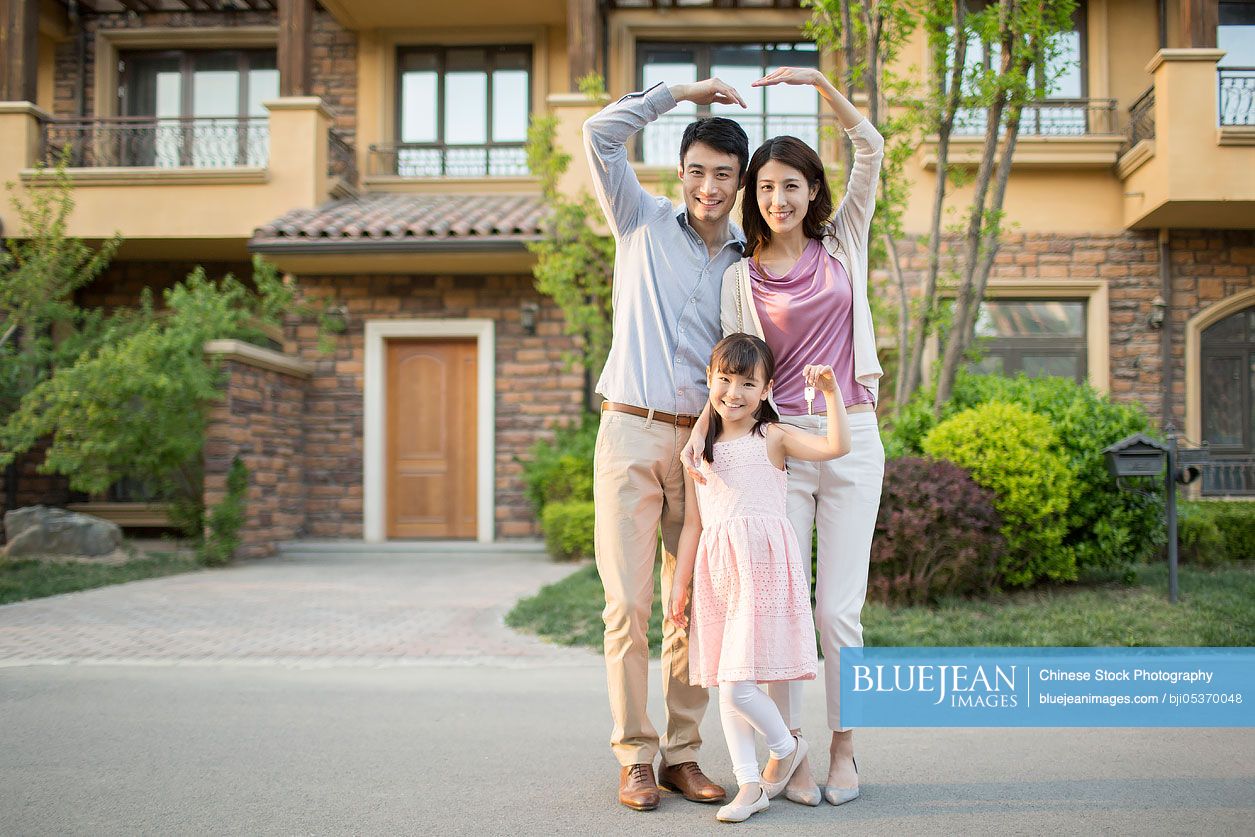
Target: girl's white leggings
x=745, y=709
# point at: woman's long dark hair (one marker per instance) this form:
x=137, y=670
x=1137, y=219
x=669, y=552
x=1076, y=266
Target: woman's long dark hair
x=792, y=152
x=741, y=354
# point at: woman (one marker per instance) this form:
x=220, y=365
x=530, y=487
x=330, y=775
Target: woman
x=803, y=288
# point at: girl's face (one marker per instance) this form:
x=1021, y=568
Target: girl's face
x=736, y=397
x=783, y=196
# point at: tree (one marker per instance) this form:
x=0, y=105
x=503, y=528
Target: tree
x=1022, y=36
x=39, y=275
x=135, y=403
x=574, y=262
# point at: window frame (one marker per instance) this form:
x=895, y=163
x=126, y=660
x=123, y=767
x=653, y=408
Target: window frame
x=526, y=49
x=128, y=73
x=1015, y=348
x=702, y=51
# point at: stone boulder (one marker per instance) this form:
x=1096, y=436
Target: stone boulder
x=40, y=530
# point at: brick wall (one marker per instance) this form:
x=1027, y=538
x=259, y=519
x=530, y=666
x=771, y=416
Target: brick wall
x=261, y=419
x=123, y=282
x=33, y=487
x=535, y=391
x=1207, y=266
x=333, y=56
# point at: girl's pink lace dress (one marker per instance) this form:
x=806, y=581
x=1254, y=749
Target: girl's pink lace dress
x=751, y=615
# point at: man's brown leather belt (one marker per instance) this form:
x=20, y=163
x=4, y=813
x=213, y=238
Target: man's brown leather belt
x=658, y=415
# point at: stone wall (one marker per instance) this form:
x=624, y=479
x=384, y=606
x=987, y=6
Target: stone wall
x=333, y=56
x=260, y=419
x=535, y=390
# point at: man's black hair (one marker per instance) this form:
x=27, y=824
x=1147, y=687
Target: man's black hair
x=721, y=134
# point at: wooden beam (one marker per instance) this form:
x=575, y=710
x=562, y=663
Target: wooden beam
x=583, y=36
x=1199, y=19
x=295, y=21
x=19, y=61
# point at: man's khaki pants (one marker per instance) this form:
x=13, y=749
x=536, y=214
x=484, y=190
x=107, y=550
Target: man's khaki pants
x=638, y=485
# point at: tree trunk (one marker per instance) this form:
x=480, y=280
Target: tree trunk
x=983, y=248
x=913, y=373
x=904, y=324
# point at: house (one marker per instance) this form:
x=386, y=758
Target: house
x=374, y=151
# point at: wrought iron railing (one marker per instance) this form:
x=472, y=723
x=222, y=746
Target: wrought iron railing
x=1237, y=95
x=1141, y=119
x=341, y=158
x=431, y=160
x=1051, y=118
x=183, y=142
x=1229, y=475
x=659, y=143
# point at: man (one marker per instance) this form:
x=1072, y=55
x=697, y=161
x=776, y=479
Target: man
x=667, y=274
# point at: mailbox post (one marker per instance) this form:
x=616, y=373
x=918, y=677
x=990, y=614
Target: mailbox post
x=1141, y=456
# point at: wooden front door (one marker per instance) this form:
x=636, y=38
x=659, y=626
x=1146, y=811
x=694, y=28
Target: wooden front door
x=431, y=460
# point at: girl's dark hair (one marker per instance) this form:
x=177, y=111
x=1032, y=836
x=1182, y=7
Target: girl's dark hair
x=792, y=152
x=741, y=354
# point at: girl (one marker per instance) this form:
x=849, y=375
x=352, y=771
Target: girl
x=751, y=620
x=803, y=289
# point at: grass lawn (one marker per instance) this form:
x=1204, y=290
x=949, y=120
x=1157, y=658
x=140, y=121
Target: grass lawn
x=29, y=579
x=1216, y=608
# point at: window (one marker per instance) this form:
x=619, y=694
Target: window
x=461, y=112
x=1236, y=36
x=1037, y=337
x=783, y=109
x=197, y=108
x=1063, y=85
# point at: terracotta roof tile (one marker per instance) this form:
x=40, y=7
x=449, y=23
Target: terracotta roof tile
x=424, y=220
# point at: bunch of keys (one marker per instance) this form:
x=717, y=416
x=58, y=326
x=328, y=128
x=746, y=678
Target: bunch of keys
x=809, y=394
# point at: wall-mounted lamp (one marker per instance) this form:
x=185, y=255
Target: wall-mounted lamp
x=1156, y=316
x=335, y=319
x=527, y=316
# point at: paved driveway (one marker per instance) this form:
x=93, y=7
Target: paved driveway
x=380, y=694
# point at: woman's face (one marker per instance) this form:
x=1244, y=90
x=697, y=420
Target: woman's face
x=783, y=196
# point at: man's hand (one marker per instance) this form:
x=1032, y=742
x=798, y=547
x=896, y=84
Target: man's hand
x=712, y=91
x=679, y=604
x=691, y=458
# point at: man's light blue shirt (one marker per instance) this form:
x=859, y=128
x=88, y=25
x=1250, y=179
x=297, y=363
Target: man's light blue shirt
x=666, y=284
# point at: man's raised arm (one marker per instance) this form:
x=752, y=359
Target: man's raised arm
x=622, y=198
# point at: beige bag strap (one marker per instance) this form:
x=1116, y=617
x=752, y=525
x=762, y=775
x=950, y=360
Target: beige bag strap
x=742, y=279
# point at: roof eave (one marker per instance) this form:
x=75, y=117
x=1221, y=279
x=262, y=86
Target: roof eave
x=340, y=246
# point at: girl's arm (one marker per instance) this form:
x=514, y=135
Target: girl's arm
x=811, y=447
x=686, y=557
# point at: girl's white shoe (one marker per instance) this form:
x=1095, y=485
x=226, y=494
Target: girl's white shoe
x=774, y=789
x=740, y=813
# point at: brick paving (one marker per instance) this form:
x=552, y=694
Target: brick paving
x=306, y=610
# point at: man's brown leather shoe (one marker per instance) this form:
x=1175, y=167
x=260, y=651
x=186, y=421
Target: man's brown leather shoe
x=637, y=787
x=688, y=780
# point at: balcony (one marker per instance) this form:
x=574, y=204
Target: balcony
x=1189, y=158
x=133, y=142
x=1053, y=118
x=159, y=181
x=659, y=143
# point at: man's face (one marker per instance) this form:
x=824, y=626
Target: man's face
x=709, y=180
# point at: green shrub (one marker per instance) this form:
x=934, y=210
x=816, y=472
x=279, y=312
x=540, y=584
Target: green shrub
x=1228, y=530
x=1107, y=528
x=562, y=470
x=1198, y=537
x=568, y=529
x=226, y=519
x=1014, y=453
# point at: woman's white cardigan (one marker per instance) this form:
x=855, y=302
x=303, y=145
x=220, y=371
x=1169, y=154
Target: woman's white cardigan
x=845, y=238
